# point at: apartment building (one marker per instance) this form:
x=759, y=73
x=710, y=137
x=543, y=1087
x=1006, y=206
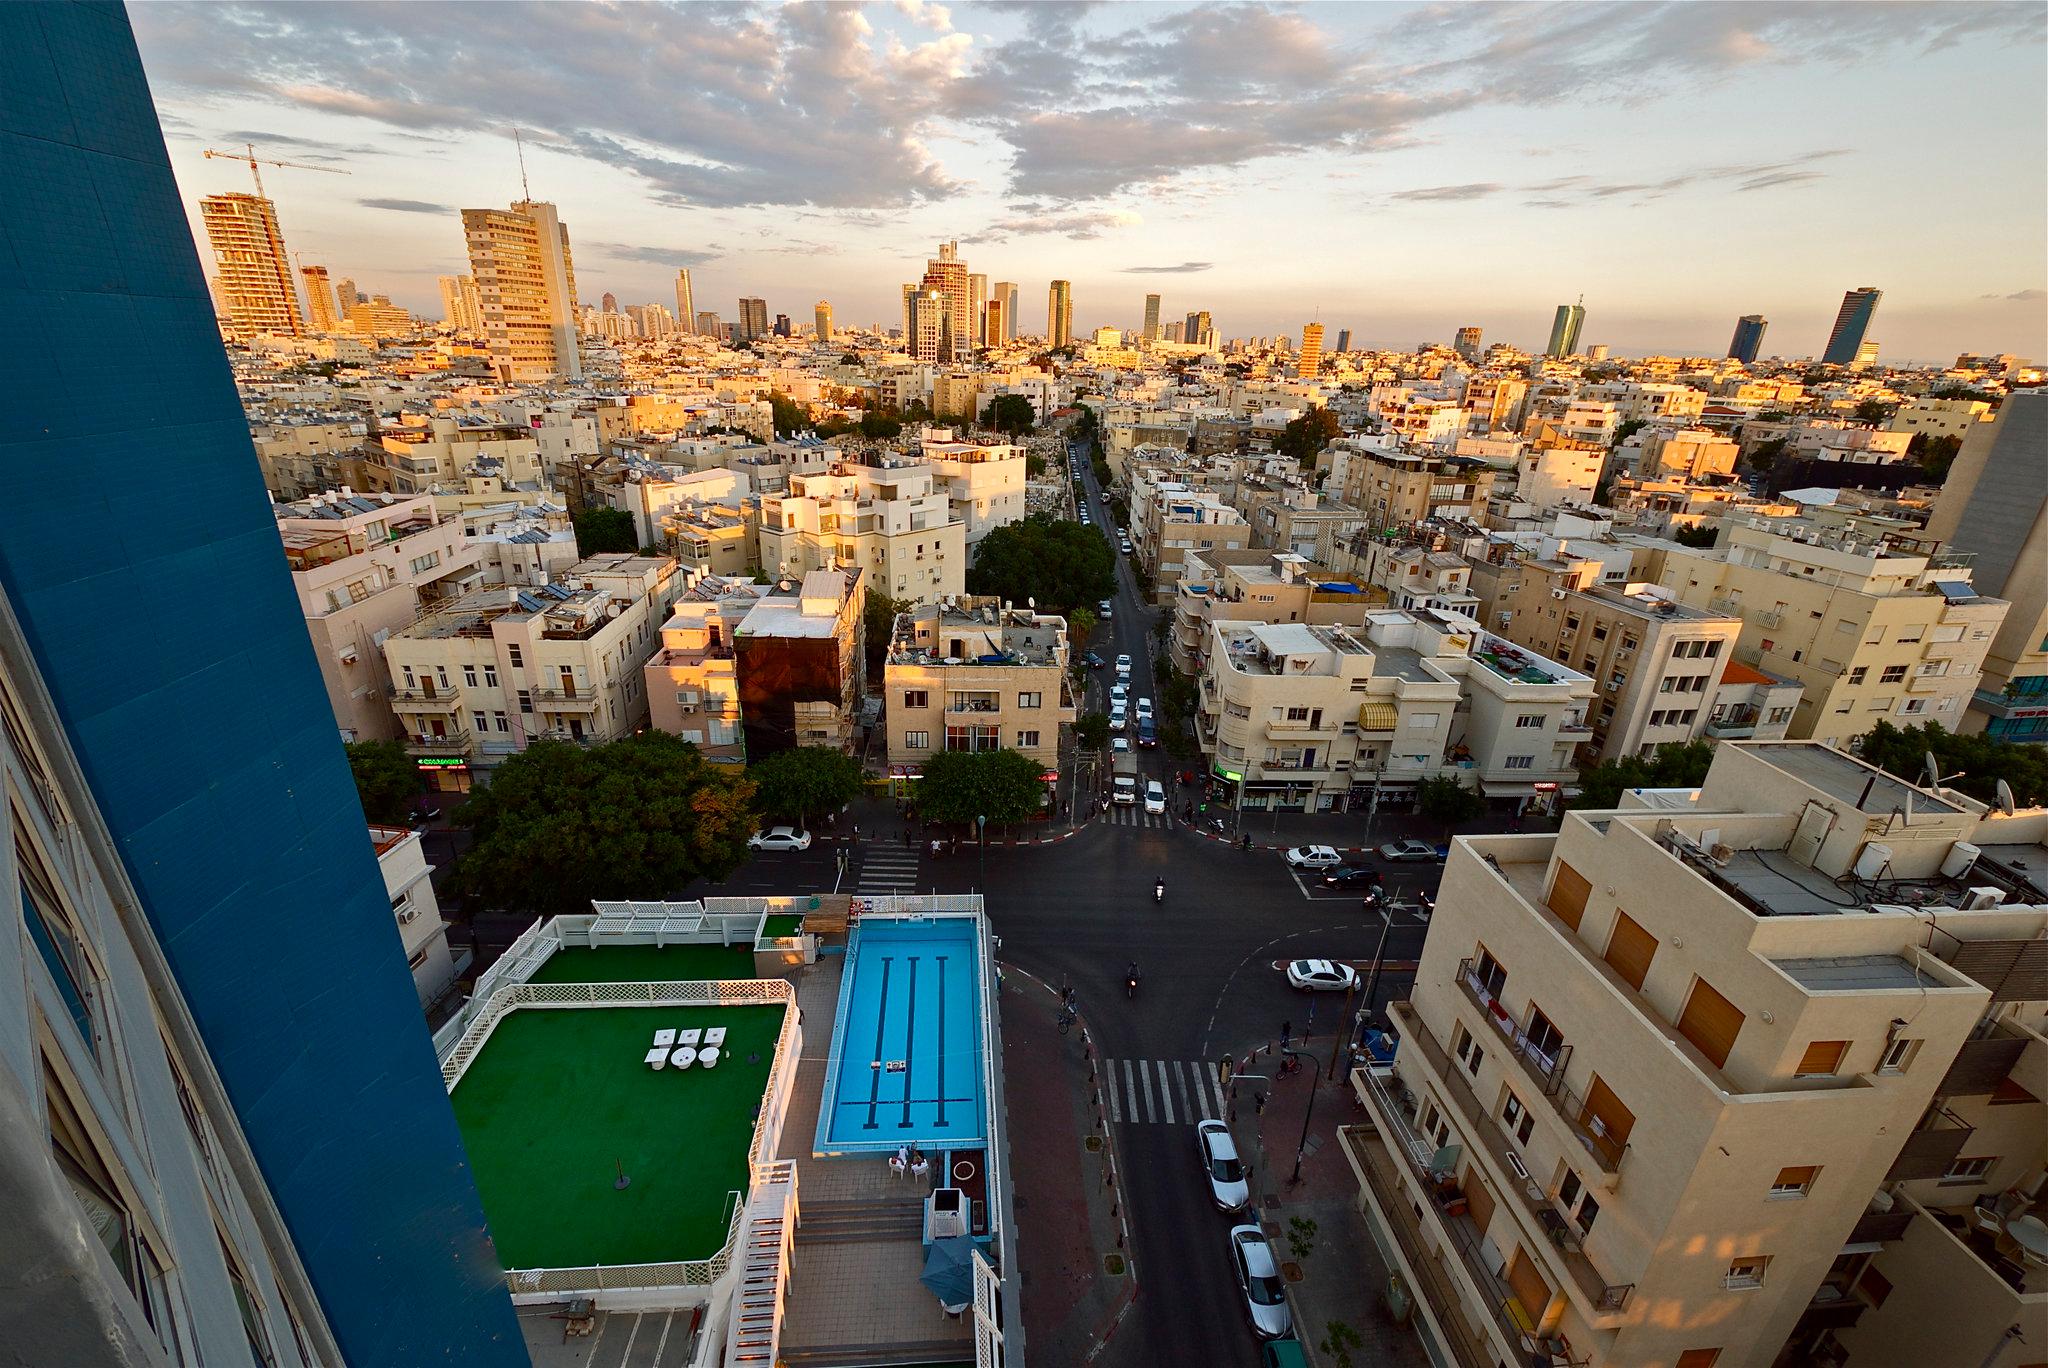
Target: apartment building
x=305, y=455
x=1555, y=470
x=526, y=289
x=714, y=538
x=1689, y=453
x=1395, y=488
x=1169, y=520
x=252, y=270
x=501, y=668
x=983, y=480
x=1414, y=572
x=1257, y=586
x=363, y=567
x=893, y=523
x=1686, y=1085
x=1291, y=516
x=424, y=451
x=1870, y=629
x=1993, y=509
x=801, y=663
x=971, y=675
x=409, y=882
x=1939, y=417
x=693, y=688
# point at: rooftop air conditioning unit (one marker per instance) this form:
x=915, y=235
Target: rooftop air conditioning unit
x=1977, y=899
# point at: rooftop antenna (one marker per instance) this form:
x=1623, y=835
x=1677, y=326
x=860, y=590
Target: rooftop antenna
x=2005, y=802
x=518, y=142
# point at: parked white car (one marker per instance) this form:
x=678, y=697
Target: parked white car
x=1221, y=1166
x=1258, y=1278
x=780, y=838
x=1314, y=857
x=1321, y=976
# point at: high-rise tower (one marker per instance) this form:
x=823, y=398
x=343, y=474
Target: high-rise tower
x=753, y=318
x=1311, y=360
x=1852, y=321
x=823, y=315
x=1059, y=314
x=975, y=326
x=526, y=283
x=1564, y=329
x=320, y=313
x=1151, y=318
x=250, y=263
x=686, y=303
x=1748, y=339
x=1466, y=342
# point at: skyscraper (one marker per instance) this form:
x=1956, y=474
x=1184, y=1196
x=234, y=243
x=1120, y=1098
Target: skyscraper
x=1311, y=360
x=1176, y=330
x=461, y=306
x=1200, y=332
x=1467, y=343
x=1059, y=314
x=611, y=302
x=1343, y=340
x=783, y=327
x=976, y=324
x=265, y=1148
x=996, y=327
x=1859, y=307
x=250, y=263
x=1748, y=339
x=686, y=303
x=1151, y=318
x=947, y=274
x=928, y=332
x=1564, y=330
x=753, y=319
x=345, y=296
x=823, y=315
x=708, y=324
x=526, y=284
x=1011, y=317
x=320, y=313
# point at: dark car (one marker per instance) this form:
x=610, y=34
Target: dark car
x=1095, y=662
x=1352, y=876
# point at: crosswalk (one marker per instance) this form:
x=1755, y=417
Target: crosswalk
x=1167, y=1092
x=1130, y=815
x=887, y=870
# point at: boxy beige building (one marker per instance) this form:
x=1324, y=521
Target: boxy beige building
x=971, y=675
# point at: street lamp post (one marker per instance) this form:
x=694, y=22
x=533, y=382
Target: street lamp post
x=1315, y=1083
x=981, y=839
x=1372, y=981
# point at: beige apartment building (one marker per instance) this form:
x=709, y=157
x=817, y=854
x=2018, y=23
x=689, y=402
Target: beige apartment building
x=364, y=566
x=1393, y=489
x=1720, y=1081
x=252, y=273
x=714, y=538
x=526, y=290
x=1687, y=454
x=1257, y=586
x=1870, y=629
x=1170, y=520
x=693, y=688
x=425, y=451
x=409, y=884
x=893, y=523
x=984, y=480
x=971, y=675
x=305, y=456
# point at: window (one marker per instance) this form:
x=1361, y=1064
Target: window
x=1893, y=674
x=525, y=701
x=1589, y=1212
x=1857, y=675
x=1697, y=1358
x=1519, y=762
x=481, y=721
x=499, y=721
x=1874, y=1286
x=1795, y=1181
x=512, y=655
x=2011, y=1094
x=1746, y=1272
x=252, y=1310
x=1529, y=720
x=1026, y=739
x=1822, y=1057
x=1518, y=1119
x=490, y=676
x=1033, y=699
x=1569, y=1189
x=917, y=698
x=422, y=564
x=917, y=740
x=1897, y=1055
x=469, y=675
x=1492, y=977
x=1969, y=1170
x=1423, y=721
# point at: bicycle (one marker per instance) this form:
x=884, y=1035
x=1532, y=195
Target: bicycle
x=1068, y=1016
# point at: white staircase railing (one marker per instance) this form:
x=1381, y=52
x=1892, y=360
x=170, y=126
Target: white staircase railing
x=753, y=1336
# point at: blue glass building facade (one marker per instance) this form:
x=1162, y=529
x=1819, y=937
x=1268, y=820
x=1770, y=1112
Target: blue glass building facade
x=137, y=546
x=1748, y=339
x=1852, y=324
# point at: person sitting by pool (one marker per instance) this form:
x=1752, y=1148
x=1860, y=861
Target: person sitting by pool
x=899, y=1161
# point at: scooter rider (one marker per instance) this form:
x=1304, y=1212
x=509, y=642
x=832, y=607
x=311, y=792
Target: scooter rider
x=1159, y=890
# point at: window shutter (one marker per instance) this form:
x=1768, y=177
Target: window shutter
x=1478, y=1201
x=1630, y=950
x=1796, y=1176
x=1529, y=1286
x=1568, y=895
x=1822, y=1057
x=1710, y=1021
x=1615, y=1120
x=1698, y=1358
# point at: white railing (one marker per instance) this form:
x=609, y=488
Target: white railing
x=754, y=1334
x=531, y=1282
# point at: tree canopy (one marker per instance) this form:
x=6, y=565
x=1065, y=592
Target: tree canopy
x=880, y=622
x=1057, y=564
x=1305, y=437
x=387, y=780
x=790, y=416
x=800, y=783
x=1442, y=798
x=1001, y=785
x=1011, y=413
x=1675, y=765
x=1703, y=535
x=599, y=530
x=1979, y=761
x=1092, y=731
x=1874, y=411
x=638, y=819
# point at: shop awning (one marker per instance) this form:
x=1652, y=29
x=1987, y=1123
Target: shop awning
x=1378, y=717
x=1494, y=788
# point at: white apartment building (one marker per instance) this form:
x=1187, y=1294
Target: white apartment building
x=1256, y=586
x=970, y=675
x=1547, y=476
x=1871, y=629
x=1720, y=1081
x=408, y=879
x=1170, y=519
x=984, y=480
x=1939, y=417
x=891, y=522
x=363, y=567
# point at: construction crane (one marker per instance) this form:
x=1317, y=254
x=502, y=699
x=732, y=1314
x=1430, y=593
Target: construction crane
x=248, y=154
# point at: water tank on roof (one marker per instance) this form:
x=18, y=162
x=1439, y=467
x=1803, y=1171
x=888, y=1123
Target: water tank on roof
x=1871, y=861
x=1961, y=856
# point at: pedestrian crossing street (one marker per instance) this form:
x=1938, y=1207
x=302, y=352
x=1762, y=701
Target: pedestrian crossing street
x=1131, y=815
x=887, y=871
x=1168, y=1092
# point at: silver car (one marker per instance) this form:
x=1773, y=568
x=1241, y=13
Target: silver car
x=1258, y=1277
x=1221, y=1166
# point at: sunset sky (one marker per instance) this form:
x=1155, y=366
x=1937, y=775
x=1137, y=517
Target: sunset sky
x=1397, y=170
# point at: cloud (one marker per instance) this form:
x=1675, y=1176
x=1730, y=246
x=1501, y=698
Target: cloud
x=1566, y=192
x=935, y=17
x=1432, y=193
x=2019, y=296
x=676, y=257
x=1184, y=268
x=1080, y=226
x=406, y=206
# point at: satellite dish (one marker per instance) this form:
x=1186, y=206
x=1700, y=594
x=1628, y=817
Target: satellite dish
x=1933, y=770
x=2005, y=802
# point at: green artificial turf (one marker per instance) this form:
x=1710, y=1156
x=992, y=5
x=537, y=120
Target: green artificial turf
x=559, y=1096
x=647, y=964
x=782, y=925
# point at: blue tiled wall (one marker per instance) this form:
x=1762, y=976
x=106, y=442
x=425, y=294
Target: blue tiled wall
x=137, y=546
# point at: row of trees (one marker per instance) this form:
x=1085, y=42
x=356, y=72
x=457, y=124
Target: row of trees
x=1055, y=563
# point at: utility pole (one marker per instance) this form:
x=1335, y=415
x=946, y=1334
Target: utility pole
x=1315, y=1081
x=1372, y=982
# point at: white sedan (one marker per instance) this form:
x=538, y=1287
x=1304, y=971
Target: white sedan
x=1119, y=692
x=780, y=838
x=1119, y=745
x=1321, y=976
x=1221, y=1166
x=1314, y=857
x=1144, y=709
x=1123, y=665
x=1407, y=850
x=1155, y=796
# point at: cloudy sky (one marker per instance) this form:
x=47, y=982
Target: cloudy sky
x=1397, y=170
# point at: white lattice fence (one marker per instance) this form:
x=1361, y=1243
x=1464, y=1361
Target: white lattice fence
x=616, y=1277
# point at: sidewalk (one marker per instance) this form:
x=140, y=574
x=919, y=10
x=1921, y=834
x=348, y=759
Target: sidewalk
x=1350, y=832
x=1067, y=1220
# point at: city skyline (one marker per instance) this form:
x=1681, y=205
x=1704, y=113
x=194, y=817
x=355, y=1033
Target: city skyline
x=1579, y=167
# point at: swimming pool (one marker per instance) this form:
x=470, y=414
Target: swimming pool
x=906, y=1062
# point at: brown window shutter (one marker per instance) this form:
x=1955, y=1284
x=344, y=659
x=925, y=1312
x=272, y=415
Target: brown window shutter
x=1526, y=1280
x=1630, y=950
x=1616, y=1121
x=1797, y=1175
x=1478, y=1201
x=1710, y=1021
x=1698, y=1358
x=1874, y=1286
x=1822, y=1057
x=1568, y=895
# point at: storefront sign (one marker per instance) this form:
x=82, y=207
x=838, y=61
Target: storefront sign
x=453, y=762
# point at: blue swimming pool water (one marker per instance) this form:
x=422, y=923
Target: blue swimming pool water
x=906, y=1064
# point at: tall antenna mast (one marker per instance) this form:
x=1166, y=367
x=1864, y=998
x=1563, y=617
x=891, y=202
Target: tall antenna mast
x=525, y=191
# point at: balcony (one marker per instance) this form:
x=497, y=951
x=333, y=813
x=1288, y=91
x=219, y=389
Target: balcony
x=1545, y=1070
x=1735, y=726
x=1547, y=1073
x=565, y=700
x=1599, y=1301
x=456, y=742
x=1574, y=726
x=442, y=701
x=1300, y=726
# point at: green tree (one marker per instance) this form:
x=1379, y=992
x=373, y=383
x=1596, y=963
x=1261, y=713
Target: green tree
x=1339, y=1339
x=1677, y=764
x=1875, y=411
x=1001, y=785
x=387, y=780
x=880, y=622
x=878, y=427
x=1092, y=731
x=1059, y=565
x=1441, y=798
x=1703, y=535
x=599, y=530
x=1978, y=762
x=1011, y=413
x=850, y=359
x=638, y=819
x=1765, y=454
x=790, y=416
x=1080, y=626
x=1305, y=437
x=804, y=782
x=1935, y=454
x=1628, y=430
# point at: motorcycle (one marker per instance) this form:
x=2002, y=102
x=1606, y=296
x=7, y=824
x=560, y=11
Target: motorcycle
x=1159, y=890
x=1130, y=985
